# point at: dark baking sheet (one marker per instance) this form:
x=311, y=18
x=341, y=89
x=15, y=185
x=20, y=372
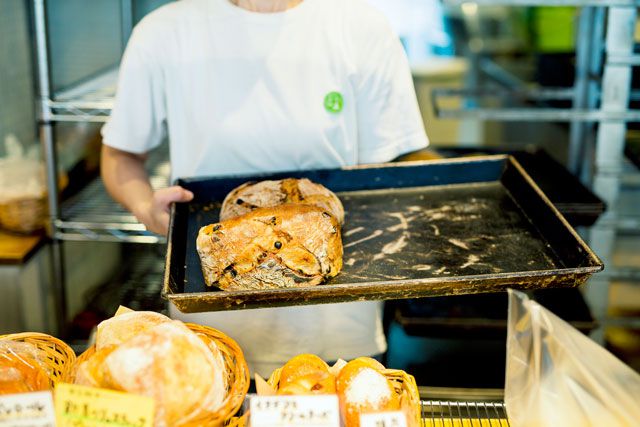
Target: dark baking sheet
x=579, y=205
x=411, y=230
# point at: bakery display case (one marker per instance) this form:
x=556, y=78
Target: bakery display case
x=565, y=259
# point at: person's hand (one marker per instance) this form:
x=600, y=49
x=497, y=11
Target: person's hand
x=154, y=213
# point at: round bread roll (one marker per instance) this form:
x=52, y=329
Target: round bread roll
x=302, y=365
x=266, y=194
x=167, y=362
x=362, y=389
x=306, y=374
x=22, y=373
x=370, y=362
x=315, y=383
x=121, y=328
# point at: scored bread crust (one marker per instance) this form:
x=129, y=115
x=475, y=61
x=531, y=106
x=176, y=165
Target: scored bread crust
x=118, y=329
x=264, y=194
x=290, y=245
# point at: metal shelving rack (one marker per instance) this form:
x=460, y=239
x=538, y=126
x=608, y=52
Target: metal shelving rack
x=601, y=95
x=91, y=215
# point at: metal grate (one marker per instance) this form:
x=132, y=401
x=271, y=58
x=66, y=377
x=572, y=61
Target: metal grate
x=436, y=413
x=93, y=215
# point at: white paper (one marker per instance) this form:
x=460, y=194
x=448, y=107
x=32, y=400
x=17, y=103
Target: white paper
x=384, y=419
x=27, y=410
x=307, y=411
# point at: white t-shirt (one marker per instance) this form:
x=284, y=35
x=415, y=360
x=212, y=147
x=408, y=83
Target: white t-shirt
x=325, y=84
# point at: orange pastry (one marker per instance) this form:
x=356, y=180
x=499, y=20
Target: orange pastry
x=362, y=388
x=370, y=362
x=301, y=365
x=318, y=382
x=21, y=372
x=306, y=374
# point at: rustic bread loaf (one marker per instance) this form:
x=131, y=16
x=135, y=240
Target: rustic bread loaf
x=291, y=245
x=264, y=194
x=162, y=359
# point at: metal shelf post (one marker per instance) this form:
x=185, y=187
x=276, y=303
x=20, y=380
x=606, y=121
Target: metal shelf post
x=589, y=52
x=48, y=144
x=616, y=89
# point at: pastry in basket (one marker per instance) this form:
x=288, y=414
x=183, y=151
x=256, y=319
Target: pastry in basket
x=290, y=245
x=363, y=388
x=361, y=385
x=265, y=194
x=21, y=370
x=122, y=327
x=306, y=374
x=165, y=361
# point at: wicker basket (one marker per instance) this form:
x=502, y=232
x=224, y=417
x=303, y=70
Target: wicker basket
x=405, y=387
x=237, y=376
x=23, y=215
x=56, y=355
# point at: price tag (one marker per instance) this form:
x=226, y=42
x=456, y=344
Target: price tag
x=27, y=410
x=79, y=406
x=384, y=419
x=308, y=411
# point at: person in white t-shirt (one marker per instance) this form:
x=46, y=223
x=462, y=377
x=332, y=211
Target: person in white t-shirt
x=249, y=86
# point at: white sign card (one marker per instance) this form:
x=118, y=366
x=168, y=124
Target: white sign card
x=384, y=419
x=303, y=411
x=27, y=410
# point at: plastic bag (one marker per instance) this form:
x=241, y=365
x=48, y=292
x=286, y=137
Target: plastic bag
x=556, y=376
x=22, y=368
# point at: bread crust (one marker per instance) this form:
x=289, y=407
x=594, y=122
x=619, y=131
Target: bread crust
x=354, y=403
x=264, y=194
x=160, y=358
x=290, y=245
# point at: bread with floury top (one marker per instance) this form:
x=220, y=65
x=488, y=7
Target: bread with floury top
x=363, y=388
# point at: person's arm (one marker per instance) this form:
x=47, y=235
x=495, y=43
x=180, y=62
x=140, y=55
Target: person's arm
x=136, y=126
x=127, y=181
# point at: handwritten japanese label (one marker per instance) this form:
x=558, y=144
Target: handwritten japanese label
x=308, y=411
x=384, y=419
x=27, y=409
x=78, y=406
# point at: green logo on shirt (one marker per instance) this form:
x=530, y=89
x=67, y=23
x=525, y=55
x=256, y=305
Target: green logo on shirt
x=333, y=102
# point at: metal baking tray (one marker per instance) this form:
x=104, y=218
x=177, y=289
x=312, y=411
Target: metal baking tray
x=579, y=205
x=415, y=229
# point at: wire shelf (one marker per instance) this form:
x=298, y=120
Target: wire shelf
x=89, y=101
x=93, y=215
x=438, y=413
